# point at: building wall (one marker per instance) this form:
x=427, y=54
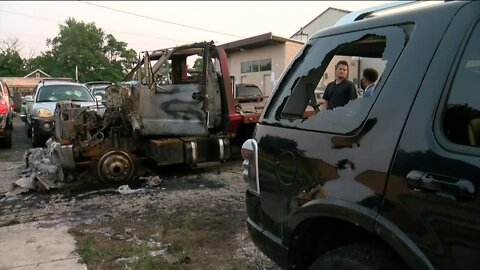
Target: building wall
x=327, y=19
x=263, y=79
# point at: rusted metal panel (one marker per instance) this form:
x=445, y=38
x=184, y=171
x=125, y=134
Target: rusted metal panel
x=165, y=151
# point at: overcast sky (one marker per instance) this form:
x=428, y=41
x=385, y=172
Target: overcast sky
x=164, y=24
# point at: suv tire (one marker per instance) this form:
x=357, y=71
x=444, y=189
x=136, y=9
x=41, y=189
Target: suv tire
x=37, y=140
x=28, y=129
x=7, y=141
x=362, y=256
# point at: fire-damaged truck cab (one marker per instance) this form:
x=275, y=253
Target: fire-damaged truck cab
x=162, y=110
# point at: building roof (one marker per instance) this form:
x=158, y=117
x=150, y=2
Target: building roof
x=262, y=40
x=321, y=14
x=20, y=82
x=36, y=70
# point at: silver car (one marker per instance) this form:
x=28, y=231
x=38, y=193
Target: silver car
x=40, y=113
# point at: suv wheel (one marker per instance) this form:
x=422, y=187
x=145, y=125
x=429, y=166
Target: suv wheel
x=28, y=129
x=37, y=140
x=362, y=256
x=6, y=142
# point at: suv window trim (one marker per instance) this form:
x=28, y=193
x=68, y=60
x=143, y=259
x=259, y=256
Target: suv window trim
x=392, y=52
x=438, y=128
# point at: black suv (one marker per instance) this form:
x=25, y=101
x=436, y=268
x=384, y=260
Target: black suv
x=387, y=181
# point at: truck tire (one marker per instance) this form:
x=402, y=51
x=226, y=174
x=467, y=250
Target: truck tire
x=361, y=256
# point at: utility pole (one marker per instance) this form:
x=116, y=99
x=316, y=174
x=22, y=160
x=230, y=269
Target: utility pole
x=76, y=73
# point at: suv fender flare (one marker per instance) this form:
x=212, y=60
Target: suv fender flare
x=399, y=241
x=365, y=218
x=334, y=208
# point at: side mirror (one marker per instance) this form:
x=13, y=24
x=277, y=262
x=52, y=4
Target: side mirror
x=28, y=99
x=98, y=98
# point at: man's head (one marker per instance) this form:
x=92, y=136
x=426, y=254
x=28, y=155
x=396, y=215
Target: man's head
x=369, y=76
x=341, y=70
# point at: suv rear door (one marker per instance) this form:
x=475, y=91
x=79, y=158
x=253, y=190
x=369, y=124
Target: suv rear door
x=431, y=194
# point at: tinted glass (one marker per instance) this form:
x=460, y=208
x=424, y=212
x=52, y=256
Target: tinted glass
x=462, y=115
x=245, y=91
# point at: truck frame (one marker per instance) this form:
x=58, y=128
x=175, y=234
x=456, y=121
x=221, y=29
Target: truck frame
x=162, y=110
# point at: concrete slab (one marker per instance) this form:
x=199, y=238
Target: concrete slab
x=32, y=246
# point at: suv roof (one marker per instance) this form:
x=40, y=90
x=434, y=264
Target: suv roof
x=58, y=82
x=382, y=17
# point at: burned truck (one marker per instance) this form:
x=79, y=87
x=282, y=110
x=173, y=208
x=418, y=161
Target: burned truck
x=162, y=110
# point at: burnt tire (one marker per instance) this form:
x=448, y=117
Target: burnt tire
x=6, y=142
x=362, y=256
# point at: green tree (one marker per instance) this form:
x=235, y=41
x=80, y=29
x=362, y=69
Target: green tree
x=44, y=61
x=198, y=64
x=11, y=63
x=98, y=56
x=120, y=58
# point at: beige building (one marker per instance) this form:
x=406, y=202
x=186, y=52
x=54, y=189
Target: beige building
x=326, y=19
x=260, y=60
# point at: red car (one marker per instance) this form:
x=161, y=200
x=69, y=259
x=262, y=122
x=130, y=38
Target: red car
x=6, y=116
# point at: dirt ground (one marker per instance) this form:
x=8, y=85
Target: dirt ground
x=190, y=219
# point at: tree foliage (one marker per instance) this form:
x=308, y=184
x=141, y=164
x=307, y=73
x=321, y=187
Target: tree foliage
x=11, y=63
x=98, y=56
x=198, y=64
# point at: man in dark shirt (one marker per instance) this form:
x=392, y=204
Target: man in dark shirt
x=340, y=91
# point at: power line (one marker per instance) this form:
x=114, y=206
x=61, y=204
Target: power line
x=111, y=30
x=160, y=20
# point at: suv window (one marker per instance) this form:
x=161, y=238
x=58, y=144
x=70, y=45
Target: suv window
x=294, y=102
x=461, y=121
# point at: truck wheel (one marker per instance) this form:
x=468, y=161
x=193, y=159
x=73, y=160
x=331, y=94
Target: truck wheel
x=115, y=166
x=6, y=142
x=362, y=256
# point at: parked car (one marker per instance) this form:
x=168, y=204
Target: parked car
x=389, y=181
x=248, y=93
x=6, y=115
x=40, y=123
x=98, y=89
x=92, y=83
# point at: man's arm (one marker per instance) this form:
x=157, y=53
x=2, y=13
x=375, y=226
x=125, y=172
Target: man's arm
x=324, y=105
x=353, y=91
x=325, y=97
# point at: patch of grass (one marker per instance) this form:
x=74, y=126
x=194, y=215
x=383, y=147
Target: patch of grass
x=197, y=241
x=188, y=222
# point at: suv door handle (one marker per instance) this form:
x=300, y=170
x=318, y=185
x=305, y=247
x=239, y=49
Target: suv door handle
x=462, y=189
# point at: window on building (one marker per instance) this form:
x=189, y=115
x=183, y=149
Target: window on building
x=256, y=66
